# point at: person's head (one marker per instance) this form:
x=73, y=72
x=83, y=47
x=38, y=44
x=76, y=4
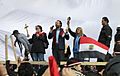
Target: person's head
x=38, y=28
x=15, y=33
x=78, y=67
x=73, y=63
x=79, y=30
x=3, y=71
x=58, y=24
x=111, y=68
x=105, y=21
x=118, y=29
x=25, y=69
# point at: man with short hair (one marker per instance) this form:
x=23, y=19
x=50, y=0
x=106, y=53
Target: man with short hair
x=22, y=40
x=106, y=33
x=58, y=44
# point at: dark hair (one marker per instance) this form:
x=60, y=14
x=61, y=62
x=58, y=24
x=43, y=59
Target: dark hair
x=105, y=19
x=10, y=68
x=25, y=69
x=15, y=32
x=111, y=67
x=118, y=29
x=60, y=23
x=39, y=27
x=72, y=60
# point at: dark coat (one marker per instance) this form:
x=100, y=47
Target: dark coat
x=112, y=67
x=73, y=34
x=61, y=40
x=38, y=43
x=105, y=35
x=117, y=44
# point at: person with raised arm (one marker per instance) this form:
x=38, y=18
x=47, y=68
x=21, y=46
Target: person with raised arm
x=58, y=44
x=77, y=34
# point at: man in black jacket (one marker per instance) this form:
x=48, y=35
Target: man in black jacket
x=106, y=33
x=58, y=44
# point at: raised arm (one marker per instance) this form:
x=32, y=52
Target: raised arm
x=50, y=35
x=69, y=30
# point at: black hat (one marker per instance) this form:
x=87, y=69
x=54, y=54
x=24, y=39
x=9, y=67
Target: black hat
x=73, y=61
x=15, y=32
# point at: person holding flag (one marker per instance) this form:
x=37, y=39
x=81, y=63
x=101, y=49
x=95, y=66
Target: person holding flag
x=79, y=33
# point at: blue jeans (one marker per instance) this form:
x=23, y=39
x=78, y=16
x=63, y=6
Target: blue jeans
x=38, y=56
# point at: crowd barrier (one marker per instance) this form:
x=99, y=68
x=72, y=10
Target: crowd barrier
x=62, y=63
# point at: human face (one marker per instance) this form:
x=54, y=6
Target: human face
x=78, y=67
x=38, y=29
x=103, y=22
x=79, y=30
x=57, y=24
x=15, y=34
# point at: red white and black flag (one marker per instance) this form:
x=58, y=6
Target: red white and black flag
x=89, y=44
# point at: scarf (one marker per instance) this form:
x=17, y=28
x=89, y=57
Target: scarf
x=76, y=46
x=40, y=33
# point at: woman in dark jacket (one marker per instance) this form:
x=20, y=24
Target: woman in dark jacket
x=117, y=41
x=76, y=42
x=39, y=44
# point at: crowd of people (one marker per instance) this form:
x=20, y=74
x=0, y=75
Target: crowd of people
x=71, y=68
x=37, y=45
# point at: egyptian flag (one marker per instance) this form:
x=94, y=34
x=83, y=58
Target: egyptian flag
x=53, y=67
x=89, y=44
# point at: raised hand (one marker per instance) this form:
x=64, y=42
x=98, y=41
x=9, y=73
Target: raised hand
x=51, y=28
x=68, y=21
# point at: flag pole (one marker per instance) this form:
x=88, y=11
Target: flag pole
x=6, y=47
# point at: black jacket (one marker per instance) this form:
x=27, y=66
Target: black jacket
x=112, y=67
x=117, y=36
x=105, y=35
x=61, y=40
x=38, y=43
x=117, y=44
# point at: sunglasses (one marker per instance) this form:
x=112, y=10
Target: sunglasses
x=37, y=28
